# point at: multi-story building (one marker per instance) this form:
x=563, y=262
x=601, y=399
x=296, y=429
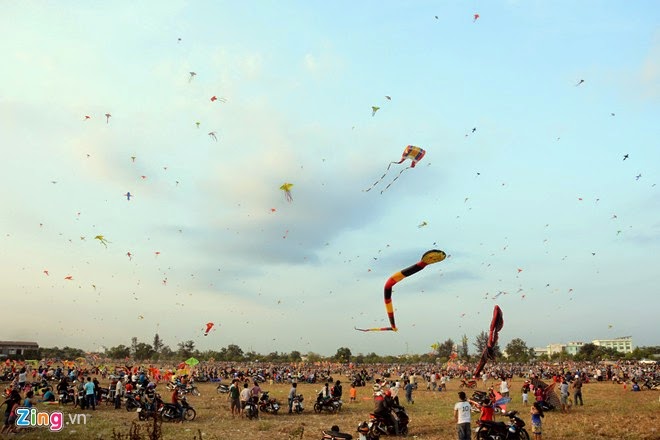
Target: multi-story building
x=555, y=348
x=573, y=348
x=623, y=344
x=11, y=348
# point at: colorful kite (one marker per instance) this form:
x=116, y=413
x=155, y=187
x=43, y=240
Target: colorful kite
x=287, y=191
x=476, y=17
x=429, y=257
x=415, y=154
x=496, y=325
x=209, y=326
x=374, y=109
x=128, y=195
x=102, y=240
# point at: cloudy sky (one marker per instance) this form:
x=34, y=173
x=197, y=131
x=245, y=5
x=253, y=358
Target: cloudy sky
x=526, y=115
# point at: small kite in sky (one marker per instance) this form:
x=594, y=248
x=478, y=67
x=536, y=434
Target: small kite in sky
x=374, y=109
x=87, y=117
x=519, y=270
x=129, y=255
x=128, y=195
x=215, y=98
x=107, y=118
x=579, y=83
x=209, y=326
x=625, y=156
x=102, y=240
x=415, y=154
x=192, y=75
x=496, y=324
x=638, y=176
x=143, y=177
x=197, y=124
x=213, y=136
x=389, y=98
x=157, y=253
x=286, y=187
x=422, y=224
x=475, y=17
x=46, y=272
x=429, y=257
x=133, y=158
x=69, y=277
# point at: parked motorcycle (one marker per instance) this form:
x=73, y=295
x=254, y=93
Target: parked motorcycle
x=150, y=409
x=514, y=430
x=67, y=397
x=222, y=389
x=268, y=404
x=133, y=401
x=297, y=404
x=251, y=409
x=333, y=404
x=335, y=434
x=380, y=426
x=471, y=383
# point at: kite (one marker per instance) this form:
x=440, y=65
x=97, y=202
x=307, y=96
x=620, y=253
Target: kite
x=579, y=83
x=129, y=255
x=87, y=117
x=389, y=98
x=215, y=98
x=638, y=176
x=476, y=17
x=133, y=158
x=287, y=191
x=374, y=109
x=46, y=272
x=429, y=257
x=496, y=325
x=197, y=124
x=213, y=135
x=422, y=224
x=68, y=277
x=209, y=326
x=625, y=156
x=102, y=240
x=415, y=154
x=107, y=118
x=128, y=195
x=192, y=75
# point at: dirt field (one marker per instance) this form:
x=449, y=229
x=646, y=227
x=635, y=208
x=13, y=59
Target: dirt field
x=610, y=412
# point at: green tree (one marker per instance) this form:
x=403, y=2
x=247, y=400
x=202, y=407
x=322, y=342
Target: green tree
x=463, y=351
x=234, y=353
x=118, y=352
x=295, y=356
x=517, y=350
x=481, y=342
x=444, y=349
x=143, y=351
x=158, y=343
x=343, y=354
x=186, y=349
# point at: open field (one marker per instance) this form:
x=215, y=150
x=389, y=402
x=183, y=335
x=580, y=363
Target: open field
x=610, y=412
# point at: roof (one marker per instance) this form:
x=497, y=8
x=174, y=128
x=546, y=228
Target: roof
x=19, y=344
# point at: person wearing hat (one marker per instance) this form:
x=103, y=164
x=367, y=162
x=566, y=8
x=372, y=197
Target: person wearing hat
x=462, y=417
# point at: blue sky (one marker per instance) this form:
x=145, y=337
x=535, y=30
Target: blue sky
x=541, y=185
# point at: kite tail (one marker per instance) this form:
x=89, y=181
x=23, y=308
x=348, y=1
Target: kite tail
x=394, y=180
x=377, y=329
x=383, y=176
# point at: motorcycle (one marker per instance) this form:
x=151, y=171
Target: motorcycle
x=468, y=383
x=67, y=397
x=133, y=401
x=251, y=410
x=477, y=400
x=331, y=404
x=148, y=410
x=222, y=389
x=381, y=426
x=170, y=412
x=267, y=404
x=297, y=405
x=515, y=430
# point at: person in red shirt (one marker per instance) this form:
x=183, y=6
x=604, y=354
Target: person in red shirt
x=487, y=411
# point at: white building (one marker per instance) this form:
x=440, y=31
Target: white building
x=623, y=344
x=555, y=348
x=573, y=348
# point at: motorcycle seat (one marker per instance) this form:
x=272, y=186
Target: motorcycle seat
x=334, y=435
x=487, y=424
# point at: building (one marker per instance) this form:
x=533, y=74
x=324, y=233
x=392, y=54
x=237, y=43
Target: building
x=573, y=348
x=555, y=348
x=13, y=348
x=623, y=344
x=540, y=351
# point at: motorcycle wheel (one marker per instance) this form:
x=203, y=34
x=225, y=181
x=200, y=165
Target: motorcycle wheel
x=195, y=392
x=130, y=406
x=189, y=414
x=317, y=407
x=523, y=435
x=482, y=434
x=404, y=430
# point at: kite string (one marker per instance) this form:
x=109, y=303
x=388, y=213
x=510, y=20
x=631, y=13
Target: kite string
x=381, y=177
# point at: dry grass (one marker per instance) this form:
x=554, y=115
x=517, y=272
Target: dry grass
x=610, y=412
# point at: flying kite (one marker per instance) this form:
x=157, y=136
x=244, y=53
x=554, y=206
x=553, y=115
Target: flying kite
x=68, y=277
x=197, y=124
x=46, y=272
x=215, y=98
x=415, y=154
x=476, y=17
x=129, y=255
x=209, y=326
x=579, y=83
x=496, y=325
x=102, y=240
x=429, y=257
x=133, y=158
x=128, y=195
x=625, y=156
x=87, y=117
x=374, y=109
x=107, y=118
x=192, y=75
x=286, y=187
x=213, y=135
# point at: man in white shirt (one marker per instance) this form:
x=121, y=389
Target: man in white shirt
x=462, y=417
x=504, y=387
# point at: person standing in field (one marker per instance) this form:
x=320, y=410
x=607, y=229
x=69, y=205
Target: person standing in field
x=90, y=393
x=353, y=393
x=537, y=415
x=525, y=392
x=577, y=390
x=408, y=387
x=244, y=397
x=504, y=387
x=462, y=411
x=234, y=398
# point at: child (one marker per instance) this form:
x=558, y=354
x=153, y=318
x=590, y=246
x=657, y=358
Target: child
x=525, y=392
x=353, y=393
x=487, y=411
x=537, y=415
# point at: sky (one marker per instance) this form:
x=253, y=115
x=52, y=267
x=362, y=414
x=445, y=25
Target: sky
x=539, y=121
